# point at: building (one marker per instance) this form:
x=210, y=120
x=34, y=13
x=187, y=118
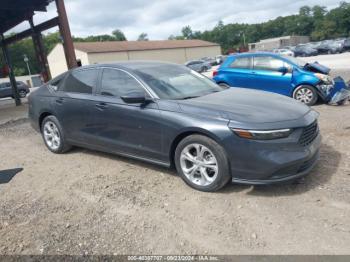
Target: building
x=177, y=51
x=278, y=42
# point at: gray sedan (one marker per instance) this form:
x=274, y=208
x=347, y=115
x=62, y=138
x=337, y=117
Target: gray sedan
x=172, y=116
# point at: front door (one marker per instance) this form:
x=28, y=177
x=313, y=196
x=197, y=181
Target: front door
x=268, y=77
x=133, y=129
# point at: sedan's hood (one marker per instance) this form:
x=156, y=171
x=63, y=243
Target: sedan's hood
x=246, y=106
x=317, y=68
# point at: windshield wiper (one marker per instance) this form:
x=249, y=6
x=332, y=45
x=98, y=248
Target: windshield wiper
x=188, y=97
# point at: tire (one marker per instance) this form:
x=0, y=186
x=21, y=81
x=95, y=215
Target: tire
x=224, y=85
x=22, y=93
x=57, y=144
x=213, y=155
x=306, y=94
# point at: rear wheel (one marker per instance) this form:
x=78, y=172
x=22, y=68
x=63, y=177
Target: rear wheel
x=53, y=135
x=22, y=93
x=202, y=163
x=306, y=94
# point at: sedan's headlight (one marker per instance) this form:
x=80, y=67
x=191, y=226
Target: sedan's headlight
x=324, y=78
x=262, y=134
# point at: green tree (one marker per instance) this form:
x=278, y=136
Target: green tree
x=119, y=35
x=142, y=37
x=187, y=32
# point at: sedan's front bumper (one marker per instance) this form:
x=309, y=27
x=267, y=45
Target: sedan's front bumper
x=258, y=162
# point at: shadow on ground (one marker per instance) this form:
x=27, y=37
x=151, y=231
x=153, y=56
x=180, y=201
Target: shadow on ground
x=7, y=175
x=130, y=161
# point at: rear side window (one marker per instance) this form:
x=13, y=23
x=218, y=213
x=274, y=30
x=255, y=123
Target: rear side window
x=118, y=83
x=242, y=63
x=267, y=63
x=82, y=81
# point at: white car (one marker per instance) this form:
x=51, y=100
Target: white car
x=285, y=52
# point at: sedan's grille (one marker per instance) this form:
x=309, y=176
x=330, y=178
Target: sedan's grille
x=309, y=134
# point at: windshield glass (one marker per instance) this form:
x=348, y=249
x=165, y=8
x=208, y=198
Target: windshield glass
x=297, y=61
x=176, y=82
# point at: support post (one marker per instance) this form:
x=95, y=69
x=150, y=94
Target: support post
x=40, y=52
x=11, y=73
x=66, y=35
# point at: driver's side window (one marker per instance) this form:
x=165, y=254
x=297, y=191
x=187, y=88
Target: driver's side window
x=118, y=83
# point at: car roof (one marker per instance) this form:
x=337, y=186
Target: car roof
x=255, y=54
x=127, y=65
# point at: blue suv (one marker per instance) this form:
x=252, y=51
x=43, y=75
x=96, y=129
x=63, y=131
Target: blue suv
x=306, y=82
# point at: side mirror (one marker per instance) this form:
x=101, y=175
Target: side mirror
x=135, y=97
x=283, y=70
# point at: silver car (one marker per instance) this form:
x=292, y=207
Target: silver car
x=198, y=65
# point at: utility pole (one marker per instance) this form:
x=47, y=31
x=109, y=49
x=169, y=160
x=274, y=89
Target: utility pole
x=26, y=60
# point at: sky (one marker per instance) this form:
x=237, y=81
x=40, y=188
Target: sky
x=162, y=18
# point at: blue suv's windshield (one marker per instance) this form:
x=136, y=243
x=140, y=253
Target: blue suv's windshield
x=296, y=61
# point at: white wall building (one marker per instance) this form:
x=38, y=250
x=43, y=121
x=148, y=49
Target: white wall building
x=176, y=51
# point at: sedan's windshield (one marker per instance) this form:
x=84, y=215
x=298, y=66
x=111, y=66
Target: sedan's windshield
x=176, y=82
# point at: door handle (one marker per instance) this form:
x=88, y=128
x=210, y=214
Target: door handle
x=101, y=106
x=60, y=101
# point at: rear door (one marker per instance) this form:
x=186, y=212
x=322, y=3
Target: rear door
x=75, y=103
x=239, y=73
x=267, y=76
x=133, y=129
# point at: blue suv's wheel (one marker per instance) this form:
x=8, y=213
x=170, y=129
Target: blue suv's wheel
x=306, y=94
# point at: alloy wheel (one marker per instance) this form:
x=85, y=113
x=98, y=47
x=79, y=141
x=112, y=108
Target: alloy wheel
x=22, y=94
x=199, y=164
x=52, y=135
x=304, y=95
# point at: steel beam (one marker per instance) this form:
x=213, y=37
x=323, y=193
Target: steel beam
x=40, y=52
x=27, y=33
x=11, y=73
x=66, y=35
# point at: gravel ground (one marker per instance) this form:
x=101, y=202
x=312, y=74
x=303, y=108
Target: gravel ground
x=85, y=202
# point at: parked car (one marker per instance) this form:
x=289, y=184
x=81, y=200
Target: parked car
x=220, y=59
x=170, y=115
x=305, y=50
x=283, y=51
x=199, y=65
x=330, y=47
x=291, y=48
x=6, y=89
x=210, y=60
x=279, y=74
x=314, y=45
x=346, y=45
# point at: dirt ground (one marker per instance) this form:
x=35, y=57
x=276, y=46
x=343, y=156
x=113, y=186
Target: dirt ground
x=85, y=202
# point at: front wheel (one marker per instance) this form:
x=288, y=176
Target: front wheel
x=202, y=163
x=306, y=94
